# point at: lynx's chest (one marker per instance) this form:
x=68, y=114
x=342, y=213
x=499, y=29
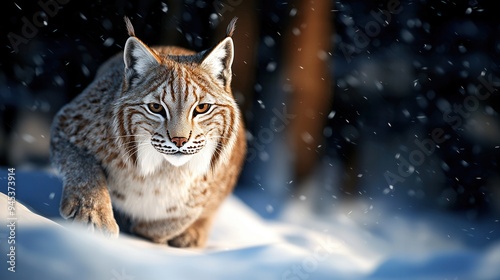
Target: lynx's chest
x=164, y=195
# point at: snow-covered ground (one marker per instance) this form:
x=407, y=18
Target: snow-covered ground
x=359, y=240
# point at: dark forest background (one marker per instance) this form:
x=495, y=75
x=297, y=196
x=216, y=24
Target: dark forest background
x=407, y=90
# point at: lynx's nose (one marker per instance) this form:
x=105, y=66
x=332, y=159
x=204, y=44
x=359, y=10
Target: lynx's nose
x=179, y=141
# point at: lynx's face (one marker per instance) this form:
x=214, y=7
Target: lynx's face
x=176, y=108
x=185, y=116
x=181, y=126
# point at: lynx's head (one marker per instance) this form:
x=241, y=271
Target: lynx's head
x=176, y=106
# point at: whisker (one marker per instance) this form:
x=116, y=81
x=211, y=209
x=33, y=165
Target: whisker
x=127, y=155
x=123, y=136
x=139, y=147
x=134, y=141
x=218, y=137
x=129, y=151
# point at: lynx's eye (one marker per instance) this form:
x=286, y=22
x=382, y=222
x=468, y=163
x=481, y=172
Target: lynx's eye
x=201, y=109
x=155, y=108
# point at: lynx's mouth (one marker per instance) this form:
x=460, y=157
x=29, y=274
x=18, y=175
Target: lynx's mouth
x=176, y=152
x=179, y=152
x=178, y=158
x=197, y=159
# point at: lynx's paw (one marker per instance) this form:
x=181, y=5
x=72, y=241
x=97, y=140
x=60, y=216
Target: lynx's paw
x=192, y=237
x=195, y=235
x=91, y=207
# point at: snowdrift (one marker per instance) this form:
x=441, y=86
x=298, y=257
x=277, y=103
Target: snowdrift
x=350, y=243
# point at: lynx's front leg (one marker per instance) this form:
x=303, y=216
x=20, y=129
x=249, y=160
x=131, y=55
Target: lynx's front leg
x=85, y=197
x=89, y=203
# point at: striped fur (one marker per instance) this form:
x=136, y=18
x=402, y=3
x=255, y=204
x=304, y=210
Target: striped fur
x=157, y=137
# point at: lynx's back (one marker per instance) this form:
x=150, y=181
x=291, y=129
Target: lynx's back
x=158, y=137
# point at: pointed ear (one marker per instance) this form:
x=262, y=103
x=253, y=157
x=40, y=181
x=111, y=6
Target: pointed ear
x=138, y=59
x=219, y=60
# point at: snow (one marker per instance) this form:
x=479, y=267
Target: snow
x=358, y=240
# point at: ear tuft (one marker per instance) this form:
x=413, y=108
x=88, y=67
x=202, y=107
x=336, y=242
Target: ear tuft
x=138, y=57
x=218, y=60
x=130, y=27
x=231, y=27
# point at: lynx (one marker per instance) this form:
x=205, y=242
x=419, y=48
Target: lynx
x=157, y=137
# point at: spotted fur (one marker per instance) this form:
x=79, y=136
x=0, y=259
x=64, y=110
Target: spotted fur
x=158, y=137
